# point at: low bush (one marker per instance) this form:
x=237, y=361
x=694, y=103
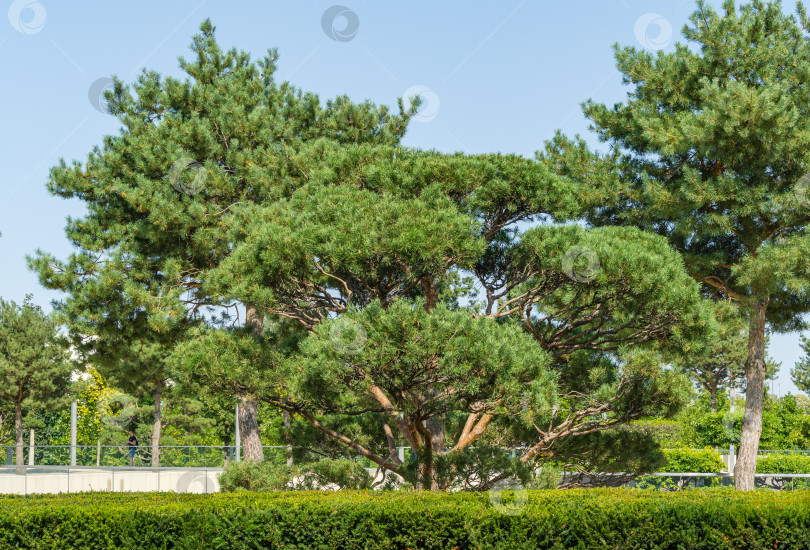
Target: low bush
x=704, y=461
x=266, y=476
x=783, y=464
x=600, y=518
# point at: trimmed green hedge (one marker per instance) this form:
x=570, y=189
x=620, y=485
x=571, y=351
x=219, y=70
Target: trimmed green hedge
x=603, y=518
x=783, y=464
x=704, y=461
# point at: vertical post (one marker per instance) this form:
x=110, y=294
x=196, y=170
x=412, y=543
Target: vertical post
x=72, y=433
x=731, y=458
x=237, y=440
x=401, y=453
x=31, y=448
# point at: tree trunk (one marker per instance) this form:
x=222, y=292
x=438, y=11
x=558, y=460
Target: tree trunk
x=157, y=425
x=755, y=371
x=18, y=436
x=437, y=434
x=249, y=430
x=713, y=391
x=248, y=407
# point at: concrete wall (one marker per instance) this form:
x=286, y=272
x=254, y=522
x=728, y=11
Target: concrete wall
x=119, y=480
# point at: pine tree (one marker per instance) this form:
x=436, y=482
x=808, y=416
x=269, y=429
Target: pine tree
x=35, y=368
x=800, y=374
x=719, y=362
x=709, y=149
x=157, y=194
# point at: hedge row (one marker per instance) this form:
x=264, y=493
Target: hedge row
x=608, y=518
x=703, y=461
x=783, y=464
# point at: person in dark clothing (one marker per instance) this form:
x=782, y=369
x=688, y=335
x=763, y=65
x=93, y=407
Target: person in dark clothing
x=132, y=443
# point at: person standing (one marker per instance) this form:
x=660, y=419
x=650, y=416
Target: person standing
x=132, y=443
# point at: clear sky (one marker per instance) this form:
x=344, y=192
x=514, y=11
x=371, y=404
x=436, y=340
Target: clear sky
x=497, y=76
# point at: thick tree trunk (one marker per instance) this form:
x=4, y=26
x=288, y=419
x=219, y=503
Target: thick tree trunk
x=157, y=425
x=249, y=430
x=18, y=436
x=755, y=371
x=437, y=435
x=248, y=407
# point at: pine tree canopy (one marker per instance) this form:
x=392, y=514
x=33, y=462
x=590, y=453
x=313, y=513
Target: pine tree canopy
x=229, y=187
x=710, y=149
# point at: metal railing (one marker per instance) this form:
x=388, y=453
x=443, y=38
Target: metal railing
x=173, y=456
x=685, y=480
x=28, y=480
x=170, y=456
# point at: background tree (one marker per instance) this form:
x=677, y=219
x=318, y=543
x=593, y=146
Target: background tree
x=800, y=373
x=709, y=150
x=34, y=363
x=718, y=362
x=189, y=151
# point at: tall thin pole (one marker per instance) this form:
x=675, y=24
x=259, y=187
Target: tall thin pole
x=238, y=441
x=73, y=433
x=31, y=442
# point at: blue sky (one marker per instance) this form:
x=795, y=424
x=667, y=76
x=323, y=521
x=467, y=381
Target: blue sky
x=497, y=76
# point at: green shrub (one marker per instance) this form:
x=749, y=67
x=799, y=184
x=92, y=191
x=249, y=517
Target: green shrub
x=267, y=476
x=783, y=464
x=704, y=461
x=348, y=520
